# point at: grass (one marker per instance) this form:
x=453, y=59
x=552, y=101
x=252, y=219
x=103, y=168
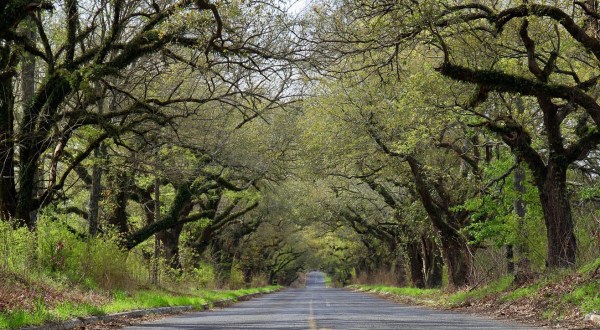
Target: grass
x=120, y=302
x=557, y=296
x=492, y=288
x=520, y=293
x=401, y=291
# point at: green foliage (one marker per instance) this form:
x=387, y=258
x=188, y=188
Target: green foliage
x=98, y=261
x=494, y=220
x=18, y=249
x=205, y=275
x=327, y=280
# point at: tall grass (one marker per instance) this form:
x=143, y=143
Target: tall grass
x=55, y=251
x=74, y=268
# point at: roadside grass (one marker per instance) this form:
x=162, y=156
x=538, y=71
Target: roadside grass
x=401, y=291
x=586, y=296
x=492, y=288
x=564, y=295
x=121, y=301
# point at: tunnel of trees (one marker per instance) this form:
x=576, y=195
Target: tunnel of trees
x=410, y=142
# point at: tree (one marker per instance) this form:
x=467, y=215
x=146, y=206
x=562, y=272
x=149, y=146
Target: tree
x=503, y=49
x=380, y=123
x=88, y=53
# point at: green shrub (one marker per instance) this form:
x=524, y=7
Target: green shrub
x=205, y=276
x=18, y=249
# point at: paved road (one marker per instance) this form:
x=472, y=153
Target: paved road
x=317, y=307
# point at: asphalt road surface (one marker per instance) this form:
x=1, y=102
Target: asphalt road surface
x=317, y=307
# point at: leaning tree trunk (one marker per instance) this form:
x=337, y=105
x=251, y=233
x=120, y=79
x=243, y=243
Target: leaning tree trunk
x=454, y=247
x=562, y=246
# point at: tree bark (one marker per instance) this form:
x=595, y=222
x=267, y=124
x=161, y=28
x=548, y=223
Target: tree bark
x=454, y=247
x=510, y=259
x=170, y=244
x=400, y=269
x=432, y=263
x=96, y=186
x=415, y=259
x=7, y=143
x=170, y=238
x=156, y=217
x=27, y=211
x=458, y=260
x=119, y=199
x=522, y=266
x=562, y=246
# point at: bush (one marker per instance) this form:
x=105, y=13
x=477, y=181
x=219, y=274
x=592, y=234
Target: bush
x=54, y=250
x=18, y=249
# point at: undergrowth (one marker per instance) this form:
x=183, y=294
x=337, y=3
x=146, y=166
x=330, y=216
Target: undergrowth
x=54, y=274
x=560, y=295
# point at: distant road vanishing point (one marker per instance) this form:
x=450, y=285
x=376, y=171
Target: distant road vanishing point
x=318, y=307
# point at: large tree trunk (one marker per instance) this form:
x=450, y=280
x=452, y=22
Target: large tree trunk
x=156, y=217
x=562, y=247
x=7, y=151
x=454, y=247
x=522, y=267
x=400, y=269
x=415, y=260
x=458, y=260
x=170, y=239
x=96, y=186
x=170, y=244
x=28, y=178
x=26, y=203
x=119, y=199
x=432, y=263
x=95, y=191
